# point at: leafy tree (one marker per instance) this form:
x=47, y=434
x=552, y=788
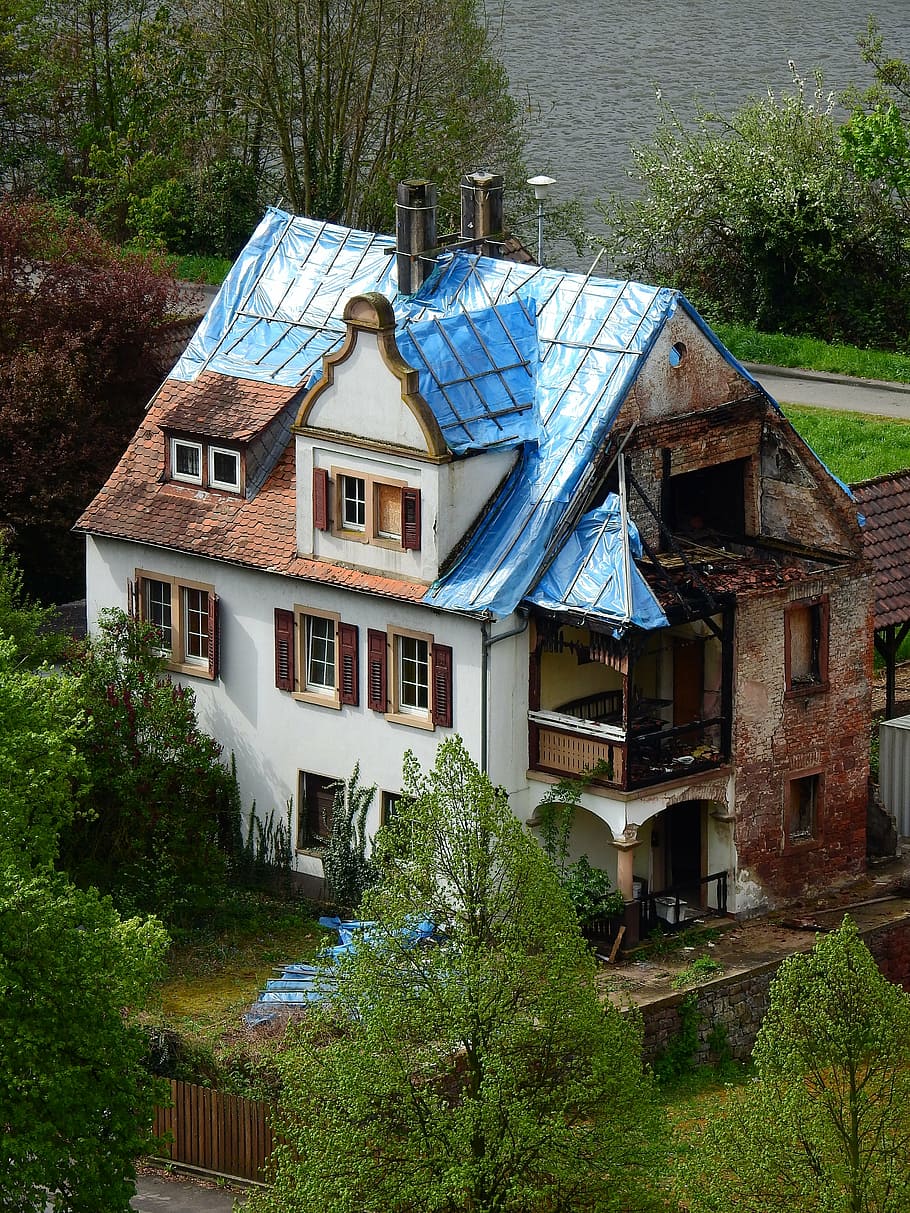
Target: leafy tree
x=824, y=1126
x=163, y=809
x=76, y=1105
x=348, y=870
x=75, y=1102
x=480, y=1074
x=351, y=98
x=762, y=221
x=79, y=358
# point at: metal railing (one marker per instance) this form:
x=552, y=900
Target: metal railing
x=668, y=909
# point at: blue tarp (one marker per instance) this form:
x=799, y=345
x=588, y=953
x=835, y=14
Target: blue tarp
x=587, y=575
x=507, y=355
x=299, y=984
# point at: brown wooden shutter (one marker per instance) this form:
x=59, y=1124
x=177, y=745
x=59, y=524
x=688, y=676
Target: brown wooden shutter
x=132, y=597
x=377, y=671
x=214, y=636
x=410, y=519
x=350, y=679
x=442, y=685
x=320, y=499
x=284, y=649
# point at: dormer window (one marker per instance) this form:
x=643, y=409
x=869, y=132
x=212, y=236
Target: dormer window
x=224, y=469
x=186, y=461
x=352, y=494
x=203, y=463
x=367, y=508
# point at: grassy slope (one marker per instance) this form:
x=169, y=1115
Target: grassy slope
x=853, y=446
x=779, y=349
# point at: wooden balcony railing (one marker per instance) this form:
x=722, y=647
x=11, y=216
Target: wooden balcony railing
x=560, y=744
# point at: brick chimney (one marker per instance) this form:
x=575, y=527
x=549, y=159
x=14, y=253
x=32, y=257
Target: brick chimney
x=415, y=233
x=481, y=211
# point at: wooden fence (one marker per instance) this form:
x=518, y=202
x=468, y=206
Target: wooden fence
x=215, y=1132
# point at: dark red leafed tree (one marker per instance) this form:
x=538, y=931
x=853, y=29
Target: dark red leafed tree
x=81, y=325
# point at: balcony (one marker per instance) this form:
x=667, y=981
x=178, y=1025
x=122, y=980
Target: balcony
x=665, y=717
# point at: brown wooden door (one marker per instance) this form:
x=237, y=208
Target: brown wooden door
x=688, y=679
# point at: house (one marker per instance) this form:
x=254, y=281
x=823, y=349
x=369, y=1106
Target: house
x=395, y=488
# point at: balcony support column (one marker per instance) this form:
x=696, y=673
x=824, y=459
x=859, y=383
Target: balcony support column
x=626, y=846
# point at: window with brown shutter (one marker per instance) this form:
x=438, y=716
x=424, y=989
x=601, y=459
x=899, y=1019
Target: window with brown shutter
x=320, y=499
x=806, y=646
x=185, y=616
x=410, y=519
x=350, y=681
x=284, y=649
x=442, y=685
x=377, y=678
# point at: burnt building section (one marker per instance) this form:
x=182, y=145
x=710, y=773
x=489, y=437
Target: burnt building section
x=736, y=736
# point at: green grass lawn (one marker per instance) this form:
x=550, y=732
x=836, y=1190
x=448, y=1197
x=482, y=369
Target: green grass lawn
x=853, y=446
x=779, y=349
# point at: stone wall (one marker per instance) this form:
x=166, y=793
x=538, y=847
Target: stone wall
x=738, y=1003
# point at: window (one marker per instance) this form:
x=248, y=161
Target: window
x=806, y=647
x=224, y=469
x=353, y=493
x=413, y=674
x=319, y=632
x=409, y=678
x=186, y=461
x=803, y=804
x=316, y=657
x=388, y=807
x=212, y=467
x=315, y=801
x=186, y=617
x=367, y=509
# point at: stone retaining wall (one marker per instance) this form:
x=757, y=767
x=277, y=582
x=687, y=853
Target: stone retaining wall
x=738, y=1003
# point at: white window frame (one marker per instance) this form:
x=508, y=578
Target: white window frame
x=358, y=499
x=310, y=691
x=368, y=532
x=232, y=486
x=408, y=713
x=176, y=653
x=185, y=477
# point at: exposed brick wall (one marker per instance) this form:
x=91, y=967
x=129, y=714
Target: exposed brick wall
x=739, y=1003
x=777, y=737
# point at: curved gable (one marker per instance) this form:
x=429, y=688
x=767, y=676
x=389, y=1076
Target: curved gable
x=376, y=402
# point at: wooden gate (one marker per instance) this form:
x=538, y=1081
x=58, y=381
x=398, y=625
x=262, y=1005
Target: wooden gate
x=215, y=1132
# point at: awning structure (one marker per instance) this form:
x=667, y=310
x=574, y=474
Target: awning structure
x=508, y=355
x=885, y=505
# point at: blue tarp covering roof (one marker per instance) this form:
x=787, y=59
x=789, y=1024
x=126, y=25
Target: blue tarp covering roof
x=507, y=355
x=477, y=372
x=586, y=576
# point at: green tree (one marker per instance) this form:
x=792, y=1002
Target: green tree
x=762, y=221
x=352, y=98
x=482, y=1074
x=163, y=818
x=75, y=1101
x=824, y=1126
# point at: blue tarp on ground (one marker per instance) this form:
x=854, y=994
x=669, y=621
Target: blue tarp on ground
x=507, y=355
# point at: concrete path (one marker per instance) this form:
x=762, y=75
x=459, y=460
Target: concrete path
x=171, y=1194
x=872, y=396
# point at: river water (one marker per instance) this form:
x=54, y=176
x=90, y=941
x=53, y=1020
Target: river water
x=587, y=71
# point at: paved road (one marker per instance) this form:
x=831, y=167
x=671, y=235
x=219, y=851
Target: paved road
x=157, y=1194
x=870, y=396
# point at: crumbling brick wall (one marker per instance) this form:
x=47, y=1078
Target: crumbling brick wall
x=780, y=736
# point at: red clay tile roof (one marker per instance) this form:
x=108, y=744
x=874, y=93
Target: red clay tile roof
x=259, y=533
x=219, y=406
x=885, y=502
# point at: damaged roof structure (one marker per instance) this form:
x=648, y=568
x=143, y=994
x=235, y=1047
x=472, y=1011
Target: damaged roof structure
x=547, y=510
